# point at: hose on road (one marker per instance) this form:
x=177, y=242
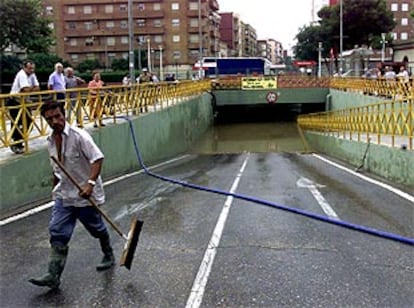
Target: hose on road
x=341, y=223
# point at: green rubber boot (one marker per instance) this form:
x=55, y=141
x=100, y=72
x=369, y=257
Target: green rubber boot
x=108, y=259
x=57, y=260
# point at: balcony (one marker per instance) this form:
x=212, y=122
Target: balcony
x=149, y=14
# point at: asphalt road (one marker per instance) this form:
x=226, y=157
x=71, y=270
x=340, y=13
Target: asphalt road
x=258, y=257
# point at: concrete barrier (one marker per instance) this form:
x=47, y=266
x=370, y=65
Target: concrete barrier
x=161, y=135
x=394, y=164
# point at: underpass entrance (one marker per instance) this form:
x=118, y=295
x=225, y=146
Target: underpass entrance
x=255, y=129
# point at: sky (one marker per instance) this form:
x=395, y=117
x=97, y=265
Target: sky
x=276, y=19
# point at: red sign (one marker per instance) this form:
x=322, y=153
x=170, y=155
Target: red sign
x=304, y=63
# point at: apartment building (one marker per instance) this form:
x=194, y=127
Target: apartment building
x=271, y=49
x=98, y=29
x=249, y=40
x=230, y=32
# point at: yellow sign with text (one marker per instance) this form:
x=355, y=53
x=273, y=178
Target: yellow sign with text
x=258, y=83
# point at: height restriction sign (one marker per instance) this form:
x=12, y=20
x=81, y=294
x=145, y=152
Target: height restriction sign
x=272, y=97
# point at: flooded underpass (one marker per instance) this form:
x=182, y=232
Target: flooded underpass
x=255, y=129
x=200, y=248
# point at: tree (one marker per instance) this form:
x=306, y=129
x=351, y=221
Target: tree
x=120, y=64
x=22, y=24
x=363, y=23
x=89, y=65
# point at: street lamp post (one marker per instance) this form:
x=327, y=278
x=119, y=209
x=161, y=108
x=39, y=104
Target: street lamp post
x=131, y=42
x=341, y=36
x=161, y=70
x=320, y=59
x=200, y=39
x=383, y=41
x=149, y=53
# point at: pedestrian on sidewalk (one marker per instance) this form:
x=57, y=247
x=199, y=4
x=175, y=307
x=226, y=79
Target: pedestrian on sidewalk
x=75, y=149
x=24, y=82
x=57, y=82
x=75, y=105
x=96, y=97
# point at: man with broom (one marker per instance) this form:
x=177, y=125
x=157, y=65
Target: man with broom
x=77, y=151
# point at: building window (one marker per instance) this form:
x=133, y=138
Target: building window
x=110, y=41
x=193, y=6
x=175, y=22
x=141, y=6
x=124, y=40
x=125, y=55
x=175, y=6
x=404, y=7
x=394, y=7
x=90, y=56
x=177, y=54
x=74, y=57
x=193, y=22
x=404, y=21
x=157, y=38
x=72, y=25
x=141, y=22
x=404, y=36
x=88, y=25
x=124, y=24
x=49, y=10
x=394, y=36
x=110, y=24
x=157, y=23
x=123, y=7
x=73, y=42
x=194, y=38
x=157, y=7
x=109, y=8
x=89, y=41
x=175, y=38
x=87, y=9
x=71, y=10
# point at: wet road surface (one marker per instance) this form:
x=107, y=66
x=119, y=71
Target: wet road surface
x=265, y=257
x=198, y=247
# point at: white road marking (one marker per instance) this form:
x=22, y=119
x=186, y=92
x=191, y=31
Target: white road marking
x=200, y=282
x=394, y=190
x=313, y=188
x=48, y=205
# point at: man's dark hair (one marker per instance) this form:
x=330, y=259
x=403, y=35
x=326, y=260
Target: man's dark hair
x=27, y=62
x=50, y=105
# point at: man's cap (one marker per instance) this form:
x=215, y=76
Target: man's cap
x=145, y=69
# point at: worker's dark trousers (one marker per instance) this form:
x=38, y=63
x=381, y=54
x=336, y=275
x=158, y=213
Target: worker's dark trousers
x=64, y=219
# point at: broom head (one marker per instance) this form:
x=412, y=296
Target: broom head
x=131, y=243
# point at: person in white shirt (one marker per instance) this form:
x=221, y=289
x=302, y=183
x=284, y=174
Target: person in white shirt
x=25, y=81
x=78, y=152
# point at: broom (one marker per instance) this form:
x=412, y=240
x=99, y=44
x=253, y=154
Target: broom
x=133, y=234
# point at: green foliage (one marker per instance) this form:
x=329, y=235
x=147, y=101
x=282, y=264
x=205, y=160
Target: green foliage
x=46, y=61
x=89, y=65
x=120, y=64
x=363, y=23
x=22, y=24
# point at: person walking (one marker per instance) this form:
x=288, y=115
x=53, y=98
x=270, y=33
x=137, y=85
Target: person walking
x=73, y=82
x=57, y=82
x=24, y=82
x=77, y=151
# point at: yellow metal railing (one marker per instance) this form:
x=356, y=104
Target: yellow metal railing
x=389, y=123
x=379, y=87
x=21, y=122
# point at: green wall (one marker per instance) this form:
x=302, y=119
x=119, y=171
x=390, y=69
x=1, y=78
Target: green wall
x=394, y=164
x=285, y=96
x=163, y=134
x=343, y=100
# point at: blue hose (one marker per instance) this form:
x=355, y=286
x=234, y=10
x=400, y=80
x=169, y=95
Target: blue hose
x=341, y=223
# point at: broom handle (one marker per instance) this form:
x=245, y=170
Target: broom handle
x=93, y=202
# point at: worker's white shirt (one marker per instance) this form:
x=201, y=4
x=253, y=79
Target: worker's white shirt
x=22, y=80
x=79, y=151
